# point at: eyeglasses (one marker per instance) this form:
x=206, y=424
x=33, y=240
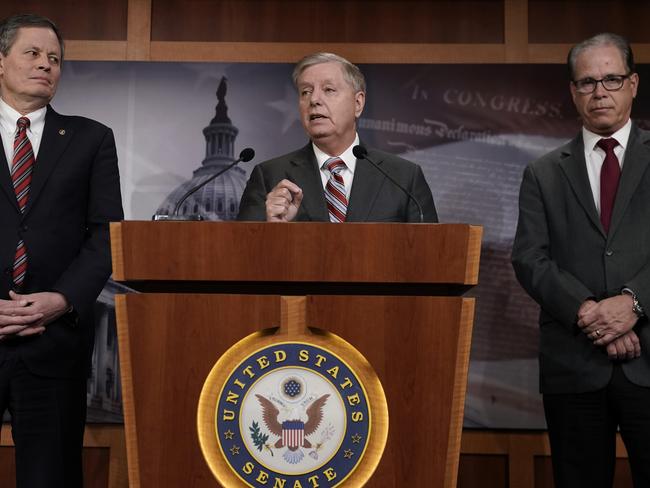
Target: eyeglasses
x=610, y=83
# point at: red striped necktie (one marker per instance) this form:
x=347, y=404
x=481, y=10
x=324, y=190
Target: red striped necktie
x=21, y=176
x=610, y=173
x=337, y=202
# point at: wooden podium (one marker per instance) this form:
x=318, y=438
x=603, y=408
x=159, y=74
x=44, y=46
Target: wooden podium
x=392, y=290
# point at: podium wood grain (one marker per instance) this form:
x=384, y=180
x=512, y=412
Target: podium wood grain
x=418, y=345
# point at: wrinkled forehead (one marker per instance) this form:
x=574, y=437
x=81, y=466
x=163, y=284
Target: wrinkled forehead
x=320, y=73
x=605, y=58
x=42, y=38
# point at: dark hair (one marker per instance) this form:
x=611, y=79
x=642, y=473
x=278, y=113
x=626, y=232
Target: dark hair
x=604, y=39
x=9, y=29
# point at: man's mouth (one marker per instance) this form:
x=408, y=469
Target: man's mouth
x=43, y=80
x=316, y=116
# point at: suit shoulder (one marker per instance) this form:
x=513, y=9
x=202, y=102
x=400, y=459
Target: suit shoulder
x=644, y=137
x=79, y=122
x=391, y=160
x=283, y=160
x=552, y=158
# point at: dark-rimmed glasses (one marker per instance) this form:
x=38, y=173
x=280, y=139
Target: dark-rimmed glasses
x=610, y=83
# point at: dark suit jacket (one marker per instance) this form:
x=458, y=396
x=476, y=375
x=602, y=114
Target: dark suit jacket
x=373, y=197
x=562, y=256
x=74, y=194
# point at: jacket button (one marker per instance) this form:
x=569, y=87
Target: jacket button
x=24, y=228
x=609, y=252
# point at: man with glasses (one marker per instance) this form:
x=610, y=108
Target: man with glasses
x=582, y=251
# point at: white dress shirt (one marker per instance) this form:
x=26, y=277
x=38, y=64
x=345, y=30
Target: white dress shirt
x=8, y=129
x=347, y=173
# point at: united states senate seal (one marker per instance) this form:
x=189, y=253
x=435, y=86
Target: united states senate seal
x=293, y=415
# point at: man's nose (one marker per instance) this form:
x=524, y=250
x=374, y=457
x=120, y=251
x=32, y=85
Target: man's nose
x=315, y=98
x=600, y=90
x=44, y=63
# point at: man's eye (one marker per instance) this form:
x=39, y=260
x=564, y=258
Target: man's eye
x=612, y=78
x=587, y=82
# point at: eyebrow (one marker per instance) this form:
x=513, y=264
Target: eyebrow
x=39, y=49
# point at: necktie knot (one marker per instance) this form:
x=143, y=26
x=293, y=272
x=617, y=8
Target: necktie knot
x=22, y=123
x=607, y=145
x=335, y=165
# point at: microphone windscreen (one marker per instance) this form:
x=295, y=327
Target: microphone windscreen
x=359, y=152
x=247, y=154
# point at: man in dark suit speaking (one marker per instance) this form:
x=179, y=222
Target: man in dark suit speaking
x=59, y=189
x=324, y=181
x=582, y=251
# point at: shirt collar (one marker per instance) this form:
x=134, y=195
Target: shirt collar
x=622, y=135
x=347, y=156
x=9, y=117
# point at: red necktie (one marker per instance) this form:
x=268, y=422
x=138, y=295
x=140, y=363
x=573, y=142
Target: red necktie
x=610, y=173
x=21, y=176
x=337, y=202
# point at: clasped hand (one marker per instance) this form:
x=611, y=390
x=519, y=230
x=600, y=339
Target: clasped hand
x=609, y=323
x=25, y=315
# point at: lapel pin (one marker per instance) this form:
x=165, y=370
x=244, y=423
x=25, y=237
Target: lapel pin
x=61, y=132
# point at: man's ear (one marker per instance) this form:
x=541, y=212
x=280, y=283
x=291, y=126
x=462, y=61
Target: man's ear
x=359, y=103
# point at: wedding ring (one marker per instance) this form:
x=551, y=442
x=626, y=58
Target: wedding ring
x=597, y=332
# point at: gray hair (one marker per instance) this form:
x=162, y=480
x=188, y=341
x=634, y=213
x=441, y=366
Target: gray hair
x=351, y=72
x=9, y=30
x=600, y=40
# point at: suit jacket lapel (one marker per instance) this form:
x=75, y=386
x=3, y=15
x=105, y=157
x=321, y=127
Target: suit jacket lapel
x=56, y=137
x=366, y=186
x=5, y=179
x=574, y=166
x=304, y=172
x=635, y=164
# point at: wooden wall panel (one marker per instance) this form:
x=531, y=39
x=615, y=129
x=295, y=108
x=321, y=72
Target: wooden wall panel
x=408, y=21
x=528, y=459
x=365, y=31
x=554, y=21
x=483, y=471
x=100, y=20
x=104, y=457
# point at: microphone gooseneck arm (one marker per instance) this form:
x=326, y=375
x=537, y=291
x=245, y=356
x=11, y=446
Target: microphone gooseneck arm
x=361, y=152
x=245, y=156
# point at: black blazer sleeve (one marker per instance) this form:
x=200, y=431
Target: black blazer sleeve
x=87, y=273
x=252, y=206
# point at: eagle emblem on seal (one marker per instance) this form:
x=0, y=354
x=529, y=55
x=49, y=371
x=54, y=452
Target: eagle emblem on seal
x=298, y=424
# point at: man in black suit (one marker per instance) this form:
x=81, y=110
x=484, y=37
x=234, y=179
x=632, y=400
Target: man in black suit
x=59, y=189
x=582, y=251
x=300, y=185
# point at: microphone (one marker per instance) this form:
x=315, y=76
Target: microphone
x=246, y=155
x=361, y=152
